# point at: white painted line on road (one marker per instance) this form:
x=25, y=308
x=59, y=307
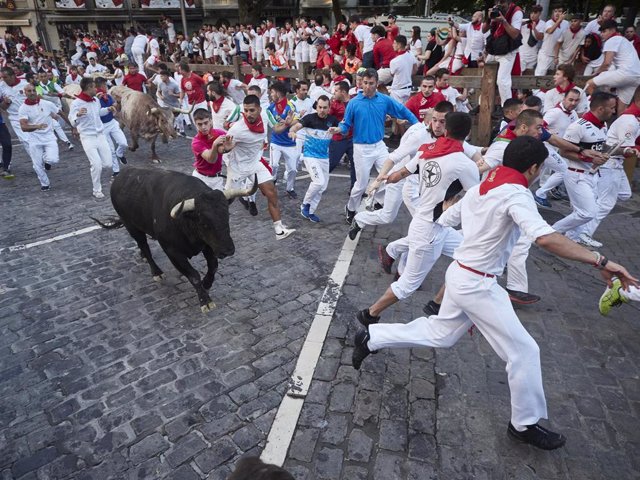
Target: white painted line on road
x=50, y=240
x=284, y=424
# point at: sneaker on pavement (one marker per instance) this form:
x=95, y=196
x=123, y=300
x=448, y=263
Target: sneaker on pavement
x=385, y=260
x=611, y=298
x=555, y=194
x=350, y=214
x=314, y=218
x=70, y=146
x=522, y=298
x=365, y=318
x=353, y=231
x=285, y=233
x=98, y=194
x=122, y=160
x=47, y=166
x=543, y=202
x=7, y=175
x=292, y=194
x=536, y=435
x=45, y=188
x=253, y=209
x=586, y=240
x=431, y=308
x=360, y=349
x=304, y=210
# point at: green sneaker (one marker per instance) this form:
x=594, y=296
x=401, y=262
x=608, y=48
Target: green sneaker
x=611, y=298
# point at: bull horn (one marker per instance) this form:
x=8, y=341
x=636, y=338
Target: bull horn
x=184, y=206
x=233, y=193
x=180, y=110
x=154, y=110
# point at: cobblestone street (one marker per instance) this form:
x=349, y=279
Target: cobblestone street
x=106, y=374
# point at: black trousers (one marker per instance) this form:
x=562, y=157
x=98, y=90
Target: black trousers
x=5, y=141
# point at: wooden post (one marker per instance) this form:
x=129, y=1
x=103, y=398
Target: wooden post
x=487, y=100
x=303, y=70
x=237, y=70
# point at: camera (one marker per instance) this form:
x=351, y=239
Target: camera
x=495, y=12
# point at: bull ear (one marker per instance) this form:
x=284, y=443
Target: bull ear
x=184, y=206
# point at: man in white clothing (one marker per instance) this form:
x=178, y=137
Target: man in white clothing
x=532, y=32
x=493, y=215
x=402, y=67
x=37, y=118
x=553, y=30
x=94, y=67
x=85, y=115
x=138, y=49
x=11, y=99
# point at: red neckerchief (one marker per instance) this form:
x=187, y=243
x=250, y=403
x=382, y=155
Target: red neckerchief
x=561, y=107
x=575, y=32
x=441, y=147
x=32, y=102
x=73, y=77
x=590, y=117
x=102, y=93
x=476, y=27
x=217, y=103
x=226, y=84
x=501, y=30
x=565, y=90
x=507, y=135
x=633, y=109
x=531, y=25
x=339, y=78
x=281, y=105
x=17, y=82
x=85, y=97
x=257, y=127
x=260, y=77
x=502, y=175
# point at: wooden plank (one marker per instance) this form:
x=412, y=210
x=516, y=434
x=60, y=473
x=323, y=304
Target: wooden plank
x=531, y=82
x=487, y=101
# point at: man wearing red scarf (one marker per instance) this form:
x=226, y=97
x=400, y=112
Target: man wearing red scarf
x=631, y=35
x=36, y=120
x=563, y=81
x=444, y=171
x=613, y=184
x=503, y=42
x=493, y=215
x=569, y=43
x=208, y=146
x=425, y=99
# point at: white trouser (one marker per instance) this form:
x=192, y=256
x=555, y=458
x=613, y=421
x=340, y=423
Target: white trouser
x=581, y=189
x=401, y=95
x=290, y=156
x=554, y=180
x=612, y=185
x=75, y=58
x=312, y=55
x=365, y=156
x=474, y=299
x=517, y=266
x=117, y=142
x=424, y=243
x=214, y=183
x=624, y=83
x=318, y=169
x=545, y=63
x=504, y=73
x=60, y=132
x=99, y=154
x=411, y=193
x=633, y=293
x=138, y=57
x=387, y=214
x=528, y=61
x=39, y=152
x=559, y=165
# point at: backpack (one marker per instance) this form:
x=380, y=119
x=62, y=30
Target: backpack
x=503, y=44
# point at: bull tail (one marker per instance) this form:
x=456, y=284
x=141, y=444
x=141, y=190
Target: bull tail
x=112, y=223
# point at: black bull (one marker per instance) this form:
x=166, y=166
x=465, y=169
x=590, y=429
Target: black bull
x=183, y=214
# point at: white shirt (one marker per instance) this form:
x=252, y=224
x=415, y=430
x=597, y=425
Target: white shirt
x=558, y=119
x=218, y=118
x=450, y=93
x=37, y=114
x=91, y=69
x=436, y=176
x=623, y=131
x=263, y=83
x=526, y=50
x=171, y=32
x=89, y=123
x=363, y=34
x=139, y=43
x=492, y=224
x=592, y=27
x=241, y=37
x=154, y=47
x=550, y=39
x=475, y=41
x=303, y=107
x=237, y=95
x=70, y=81
x=16, y=95
x=416, y=47
x=553, y=97
x=586, y=135
x=245, y=156
x=626, y=58
x=569, y=44
x=401, y=68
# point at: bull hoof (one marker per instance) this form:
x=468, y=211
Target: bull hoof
x=158, y=278
x=208, y=307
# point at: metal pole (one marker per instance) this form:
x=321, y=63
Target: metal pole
x=183, y=14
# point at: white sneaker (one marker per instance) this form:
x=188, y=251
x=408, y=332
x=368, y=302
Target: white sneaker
x=587, y=241
x=98, y=194
x=285, y=233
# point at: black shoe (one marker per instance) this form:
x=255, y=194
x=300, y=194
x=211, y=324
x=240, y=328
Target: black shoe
x=385, y=260
x=350, y=215
x=522, y=298
x=47, y=166
x=114, y=174
x=360, y=349
x=377, y=206
x=245, y=203
x=122, y=160
x=534, y=435
x=431, y=308
x=353, y=231
x=365, y=318
x=253, y=210
x=45, y=188
x=292, y=194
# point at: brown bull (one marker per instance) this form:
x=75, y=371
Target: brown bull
x=144, y=118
